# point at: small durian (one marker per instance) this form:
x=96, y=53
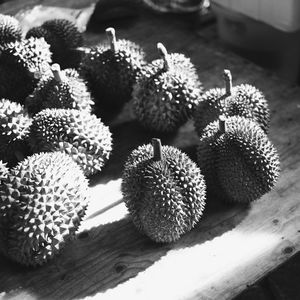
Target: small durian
x=42, y=202
x=14, y=132
x=62, y=89
x=10, y=29
x=163, y=190
x=21, y=65
x=167, y=92
x=237, y=159
x=111, y=71
x=62, y=35
x=243, y=100
x=81, y=135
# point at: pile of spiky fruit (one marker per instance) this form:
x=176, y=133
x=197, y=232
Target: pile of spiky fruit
x=52, y=137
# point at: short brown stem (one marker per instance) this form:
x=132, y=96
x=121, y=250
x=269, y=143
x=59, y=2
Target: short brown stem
x=157, y=151
x=228, y=81
x=164, y=55
x=111, y=35
x=55, y=68
x=222, y=124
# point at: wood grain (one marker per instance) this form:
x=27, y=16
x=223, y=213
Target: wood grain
x=230, y=248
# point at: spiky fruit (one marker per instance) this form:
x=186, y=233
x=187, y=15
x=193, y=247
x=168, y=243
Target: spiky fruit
x=42, y=202
x=10, y=29
x=81, y=135
x=239, y=162
x=14, y=131
x=21, y=65
x=167, y=92
x=243, y=100
x=3, y=171
x=63, y=89
x=62, y=35
x=163, y=190
x=111, y=71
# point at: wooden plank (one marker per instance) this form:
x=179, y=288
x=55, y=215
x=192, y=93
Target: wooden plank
x=231, y=247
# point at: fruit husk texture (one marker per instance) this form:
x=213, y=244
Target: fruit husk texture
x=79, y=134
x=21, y=65
x=42, y=202
x=112, y=74
x=163, y=100
x=240, y=165
x=165, y=198
x=10, y=29
x=62, y=35
x=3, y=171
x=14, y=131
x=245, y=101
x=71, y=92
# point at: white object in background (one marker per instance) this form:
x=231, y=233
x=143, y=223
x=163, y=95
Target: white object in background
x=281, y=14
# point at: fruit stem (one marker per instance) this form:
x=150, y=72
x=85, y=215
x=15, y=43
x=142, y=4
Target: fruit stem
x=111, y=35
x=222, y=124
x=228, y=81
x=164, y=55
x=157, y=151
x=58, y=76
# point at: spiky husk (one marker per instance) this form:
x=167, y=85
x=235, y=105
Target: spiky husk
x=10, y=29
x=165, y=99
x=3, y=171
x=81, y=135
x=62, y=35
x=70, y=92
x=165, y=198
x=42, y=202
x=14, y=131
x=240, y=165
x=111, y=75
x=21, y=65
x=245, y=101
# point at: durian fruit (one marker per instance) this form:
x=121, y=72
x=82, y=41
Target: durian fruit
x=21, y=65
x=111, y=71
x=14, y=132
x=167, y=93
x=62, y=35
x=163, y=190
x=238, y=161
x=243, y=100
x=81, y=135
x=10, y=29
x=62, y=89
x=42, y=202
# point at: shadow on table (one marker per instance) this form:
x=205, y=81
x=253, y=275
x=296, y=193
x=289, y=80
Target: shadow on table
x=107, y=255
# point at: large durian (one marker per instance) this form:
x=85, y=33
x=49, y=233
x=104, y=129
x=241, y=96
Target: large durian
x=167, y=93
x=21, y=65
x=62, y=89
x=243, y=100
x=111, y=71
x=10, y=29
x=42, y=201
x=14, y=132
x=81, y=135
x=63, y=37
x=239, y=162
x=163, y=190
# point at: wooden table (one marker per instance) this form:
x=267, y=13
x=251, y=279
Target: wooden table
x=230, y=248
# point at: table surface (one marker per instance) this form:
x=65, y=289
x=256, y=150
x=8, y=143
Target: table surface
x=230, y=248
